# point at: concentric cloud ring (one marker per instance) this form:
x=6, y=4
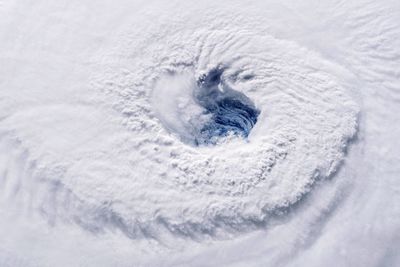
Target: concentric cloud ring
x=304, y=127
x=135, y=174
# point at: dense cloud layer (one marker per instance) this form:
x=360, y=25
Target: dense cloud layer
x=253, y=135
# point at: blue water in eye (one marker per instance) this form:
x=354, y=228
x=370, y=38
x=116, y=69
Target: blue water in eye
x=232, y=112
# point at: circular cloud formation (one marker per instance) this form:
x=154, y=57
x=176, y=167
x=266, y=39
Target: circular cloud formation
x=128, y=161
x=305, y=120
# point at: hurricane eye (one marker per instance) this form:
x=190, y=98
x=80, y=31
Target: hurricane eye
x=203, y=111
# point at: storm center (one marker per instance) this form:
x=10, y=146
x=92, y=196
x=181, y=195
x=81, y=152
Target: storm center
x=204, y=111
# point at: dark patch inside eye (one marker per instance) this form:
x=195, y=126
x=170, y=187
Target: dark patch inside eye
x=231, y=112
